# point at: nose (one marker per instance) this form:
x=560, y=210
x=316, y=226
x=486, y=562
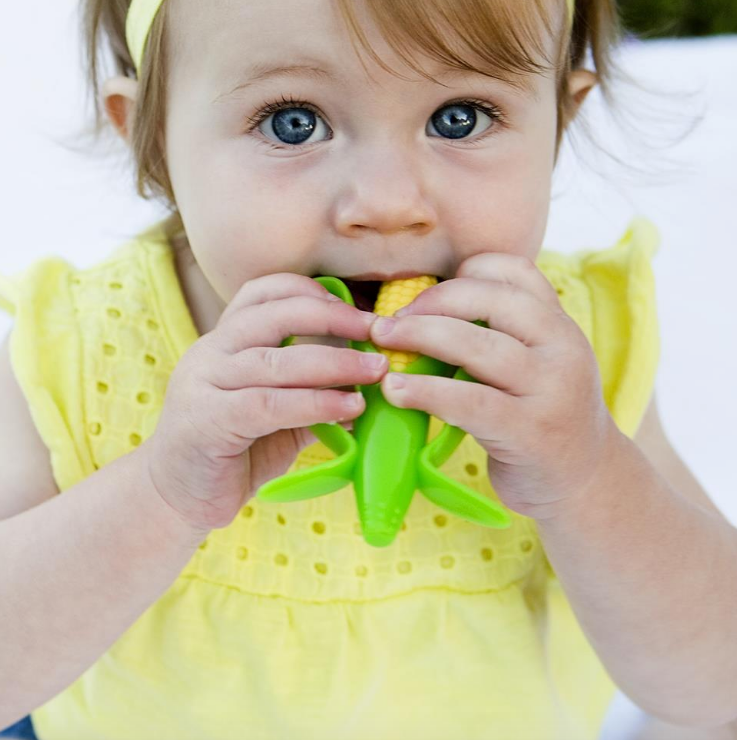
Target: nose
x=384, y=192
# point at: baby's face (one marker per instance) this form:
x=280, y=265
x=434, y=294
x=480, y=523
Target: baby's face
x=355, y=174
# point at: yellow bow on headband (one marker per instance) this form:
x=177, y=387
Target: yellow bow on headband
x=141, y=14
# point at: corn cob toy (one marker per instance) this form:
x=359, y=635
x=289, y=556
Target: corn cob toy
x=387, y=457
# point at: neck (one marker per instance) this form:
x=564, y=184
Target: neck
x=203, y=302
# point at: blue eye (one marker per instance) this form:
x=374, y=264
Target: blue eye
x=295, y=121
x=456, y=120
x=292, y=124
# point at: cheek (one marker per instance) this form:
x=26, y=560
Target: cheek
x=502, y=207
x=271, y=199
x=243, y=220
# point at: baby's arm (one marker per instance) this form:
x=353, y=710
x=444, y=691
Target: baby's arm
x=650, y=571
x=76, y=570
x=80, y=568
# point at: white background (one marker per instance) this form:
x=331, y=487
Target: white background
x=56, y=201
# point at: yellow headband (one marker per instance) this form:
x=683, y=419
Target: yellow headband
x=141, y=14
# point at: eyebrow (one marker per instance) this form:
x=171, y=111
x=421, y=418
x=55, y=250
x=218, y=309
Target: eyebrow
x=260, y=72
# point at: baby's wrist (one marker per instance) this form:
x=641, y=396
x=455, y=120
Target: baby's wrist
x=173, y=522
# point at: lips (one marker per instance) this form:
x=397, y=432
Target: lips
x=383, y=278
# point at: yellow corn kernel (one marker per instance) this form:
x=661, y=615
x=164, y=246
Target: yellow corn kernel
x=394, y=295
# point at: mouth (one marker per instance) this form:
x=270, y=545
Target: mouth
x=365, y=292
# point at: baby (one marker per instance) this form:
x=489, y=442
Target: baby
x=158, y=597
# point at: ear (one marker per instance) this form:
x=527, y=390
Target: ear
x=119, y=98
x=580, y=84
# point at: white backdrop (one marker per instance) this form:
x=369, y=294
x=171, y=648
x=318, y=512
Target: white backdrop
x=54, y=201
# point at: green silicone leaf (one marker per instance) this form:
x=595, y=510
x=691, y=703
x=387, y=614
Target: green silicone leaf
x=319, y=480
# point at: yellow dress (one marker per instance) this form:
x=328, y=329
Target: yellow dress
x=286, y=625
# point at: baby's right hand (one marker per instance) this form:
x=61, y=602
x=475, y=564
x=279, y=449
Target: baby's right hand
x=238, y=405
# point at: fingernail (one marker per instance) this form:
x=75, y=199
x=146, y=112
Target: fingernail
x=396, y=381
x=353, y=401
x=384, y=325
x=368, y=318
x=373, y=361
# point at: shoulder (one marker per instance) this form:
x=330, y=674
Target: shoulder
x=611, y=286
x=652, y=440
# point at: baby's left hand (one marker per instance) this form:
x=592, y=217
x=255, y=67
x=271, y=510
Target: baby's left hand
x=537, y=408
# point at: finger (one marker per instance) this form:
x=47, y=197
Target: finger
x=489, y=356
x=274, y=287
x=478, y=409
x=514, y=269
x=250, y=413
x=504, y=307
x=268, y=324
x=300, y=366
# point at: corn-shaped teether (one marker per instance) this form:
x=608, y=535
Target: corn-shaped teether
x=394, y=295
x=387, y=457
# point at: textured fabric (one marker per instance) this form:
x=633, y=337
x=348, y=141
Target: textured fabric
x=286, y=624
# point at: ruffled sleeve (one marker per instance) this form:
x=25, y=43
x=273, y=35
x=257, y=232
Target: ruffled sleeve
x=46, y=359
x=611, y=294
x=8, y=295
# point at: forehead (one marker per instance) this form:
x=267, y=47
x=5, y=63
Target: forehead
x=221, y=31
x=221, y=41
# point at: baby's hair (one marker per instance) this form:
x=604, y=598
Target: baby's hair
x=499, y=38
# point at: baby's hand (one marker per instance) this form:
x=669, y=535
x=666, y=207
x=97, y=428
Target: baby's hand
x=537, y=408
x=238, y=405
